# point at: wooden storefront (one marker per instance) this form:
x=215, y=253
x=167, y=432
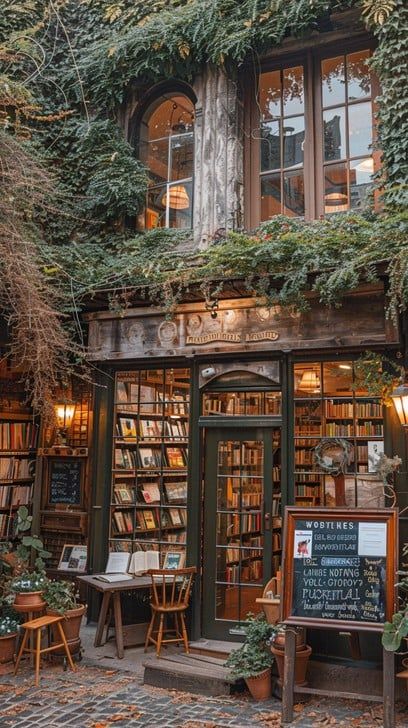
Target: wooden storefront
x=204, y=431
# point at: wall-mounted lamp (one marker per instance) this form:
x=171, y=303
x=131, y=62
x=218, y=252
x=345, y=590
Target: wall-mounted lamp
x=400, y=398
x=64, y=413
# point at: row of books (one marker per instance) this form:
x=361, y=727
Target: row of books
x=310, y=430
x=236, y=574
x=13, y=468
x=240, y=454
x=150, y=493
x=148, y=519
x=368, y=429
x=132, y=397
x=148, y=457
x=14, y=495
x=18, y=435
x=333, y=429
x=244, y=522
x=130, y=428
x=6, y=525
x=306, y=490
x=241, y=404
x=234, y=553
x=244, y=500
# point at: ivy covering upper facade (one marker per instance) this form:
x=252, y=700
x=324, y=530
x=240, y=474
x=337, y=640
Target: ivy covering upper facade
x=70, y=68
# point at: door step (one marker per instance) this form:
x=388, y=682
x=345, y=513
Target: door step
x=188, y=673
x=212, y=648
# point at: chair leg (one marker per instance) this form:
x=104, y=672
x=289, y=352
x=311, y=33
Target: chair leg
x=160, y=636
x=21, y=650
x=185, y=635
x=177, y=626
x=37, y=656
x=65, y=643
x=149, y=631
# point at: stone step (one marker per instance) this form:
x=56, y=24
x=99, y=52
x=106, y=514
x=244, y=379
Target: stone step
x=212, y=648
x=188, y=674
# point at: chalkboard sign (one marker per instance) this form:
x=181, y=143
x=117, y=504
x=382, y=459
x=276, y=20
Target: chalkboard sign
x=339, y=567
x=65, y=482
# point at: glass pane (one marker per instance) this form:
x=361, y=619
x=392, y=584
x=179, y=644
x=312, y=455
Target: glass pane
x=180, y=199
x=293, y=141
x=361, y=182
x=270, y=94
x=308, y=417
x=156, y=209
x=157, y=161
x=273, y=403
x=127, y=385
x=358, y=75
x=175, y=114
x=307, y=380
x=294, y=194
x=333, y=81
x=182, y=153
x=270, y=145
x=270, y=196
x=293, y=90
x=227, y=600
x=360, y=129
x=337, y=379
x=334, y=134
x=335, y=188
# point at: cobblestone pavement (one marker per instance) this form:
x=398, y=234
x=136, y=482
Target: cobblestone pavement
x=101, y=698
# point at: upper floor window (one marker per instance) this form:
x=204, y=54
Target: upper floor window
x=311, y=137
x=167, y=149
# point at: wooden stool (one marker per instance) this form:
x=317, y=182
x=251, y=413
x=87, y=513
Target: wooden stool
x=35, y=626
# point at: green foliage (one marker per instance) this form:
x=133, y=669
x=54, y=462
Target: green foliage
x=28, y=582
x=60, y=595
x=254, y=655
x=377, y=374
x=30, y=548
x=397, y=629
x=9, y=624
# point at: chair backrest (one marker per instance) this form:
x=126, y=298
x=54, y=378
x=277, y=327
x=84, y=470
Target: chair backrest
x=171, y=587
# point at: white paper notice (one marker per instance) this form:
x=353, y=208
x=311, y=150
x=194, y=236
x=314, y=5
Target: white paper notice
x=372, y=539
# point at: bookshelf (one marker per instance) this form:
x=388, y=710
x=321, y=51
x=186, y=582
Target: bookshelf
x=150, y=459
x=18, y=443
x=246, y=403
x=326, y=404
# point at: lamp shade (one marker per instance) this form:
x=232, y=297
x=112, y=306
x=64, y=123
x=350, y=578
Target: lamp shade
x=310, y=381
x=176, y=198
x=64, y=412
x=400, y=398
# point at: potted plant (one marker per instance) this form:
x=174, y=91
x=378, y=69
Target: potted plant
x=62, y=599
x=28, y=590
x=253, y=661
x=303, y=652
x=396, y=630
x=9, y=626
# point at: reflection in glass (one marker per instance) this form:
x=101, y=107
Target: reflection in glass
x=293, y=194
x=334, y=134
x=360, y=129
x=293, y=140
x=179, y=199
x=335, y=188
x=270, y=196
x=181, y=151
x=270, y=146
x=358, y=75
x=333, y=81
x=155, y=210
x=270, y=94
x=338, y=378
x=293, y=90
x=157, y=161
x=361, y=182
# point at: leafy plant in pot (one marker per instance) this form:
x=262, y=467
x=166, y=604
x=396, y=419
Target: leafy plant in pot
x=61, y=599
x=28, y=590
x=253, y=661
x=396, y=630
x=9, y=626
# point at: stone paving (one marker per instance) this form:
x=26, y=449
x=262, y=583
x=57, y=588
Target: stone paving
x=96, y=697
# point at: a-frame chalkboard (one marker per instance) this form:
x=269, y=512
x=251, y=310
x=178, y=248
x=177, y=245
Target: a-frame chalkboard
x=339, y=567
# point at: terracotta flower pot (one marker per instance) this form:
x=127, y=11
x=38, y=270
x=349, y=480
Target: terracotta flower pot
x=28, y=601
x=71, y=625
x=280, y=638
x=301, y=661
x=260, y=685
x=7, y=647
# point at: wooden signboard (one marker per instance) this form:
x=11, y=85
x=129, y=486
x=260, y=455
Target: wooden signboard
x=65, y=482
x=339, y=567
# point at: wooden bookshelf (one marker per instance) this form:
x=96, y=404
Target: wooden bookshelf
x=150, y=461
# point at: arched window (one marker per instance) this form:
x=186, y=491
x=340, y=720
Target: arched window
x=167, y=148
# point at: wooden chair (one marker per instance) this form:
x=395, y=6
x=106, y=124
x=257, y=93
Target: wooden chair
x=34, y=627
x=170, y=596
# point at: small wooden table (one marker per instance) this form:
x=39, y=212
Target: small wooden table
x=112, y=591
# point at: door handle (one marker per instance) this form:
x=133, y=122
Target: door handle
x=267, y=521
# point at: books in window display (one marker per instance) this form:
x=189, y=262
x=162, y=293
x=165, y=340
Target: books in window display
x=127, y=428
x=146, y=520
x=149, y=457
x=123, y=494
x=148, y=399
x=175, y=457
x=13, y=468
x=151, y=493
x=124, y=459
x=126, y=394
x=122, y=522
x=176, y=492
x=150, y=429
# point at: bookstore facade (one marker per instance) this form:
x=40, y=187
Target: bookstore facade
x=208, y=429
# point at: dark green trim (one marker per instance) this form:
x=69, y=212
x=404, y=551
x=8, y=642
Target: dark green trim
x=194, y=503
x=241, y=421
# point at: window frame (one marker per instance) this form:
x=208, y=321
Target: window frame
x=313, y=166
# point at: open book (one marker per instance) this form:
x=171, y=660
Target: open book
x=116, y=568
x=141, y=561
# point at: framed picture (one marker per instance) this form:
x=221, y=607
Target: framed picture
x=73, y=558
x=174, y=560
x=375, y=450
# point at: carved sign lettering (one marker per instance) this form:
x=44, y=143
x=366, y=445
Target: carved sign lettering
x=215, y=336
x=262, y=336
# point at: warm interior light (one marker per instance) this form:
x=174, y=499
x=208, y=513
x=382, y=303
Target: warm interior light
x=310, y=381
x=178, y=198
x=335, y=198
x=400, y=398
x=65, y=414
x=344, y=366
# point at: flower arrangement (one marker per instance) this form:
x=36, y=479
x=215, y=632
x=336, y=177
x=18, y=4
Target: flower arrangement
x=9, y=625
x=28, y=582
